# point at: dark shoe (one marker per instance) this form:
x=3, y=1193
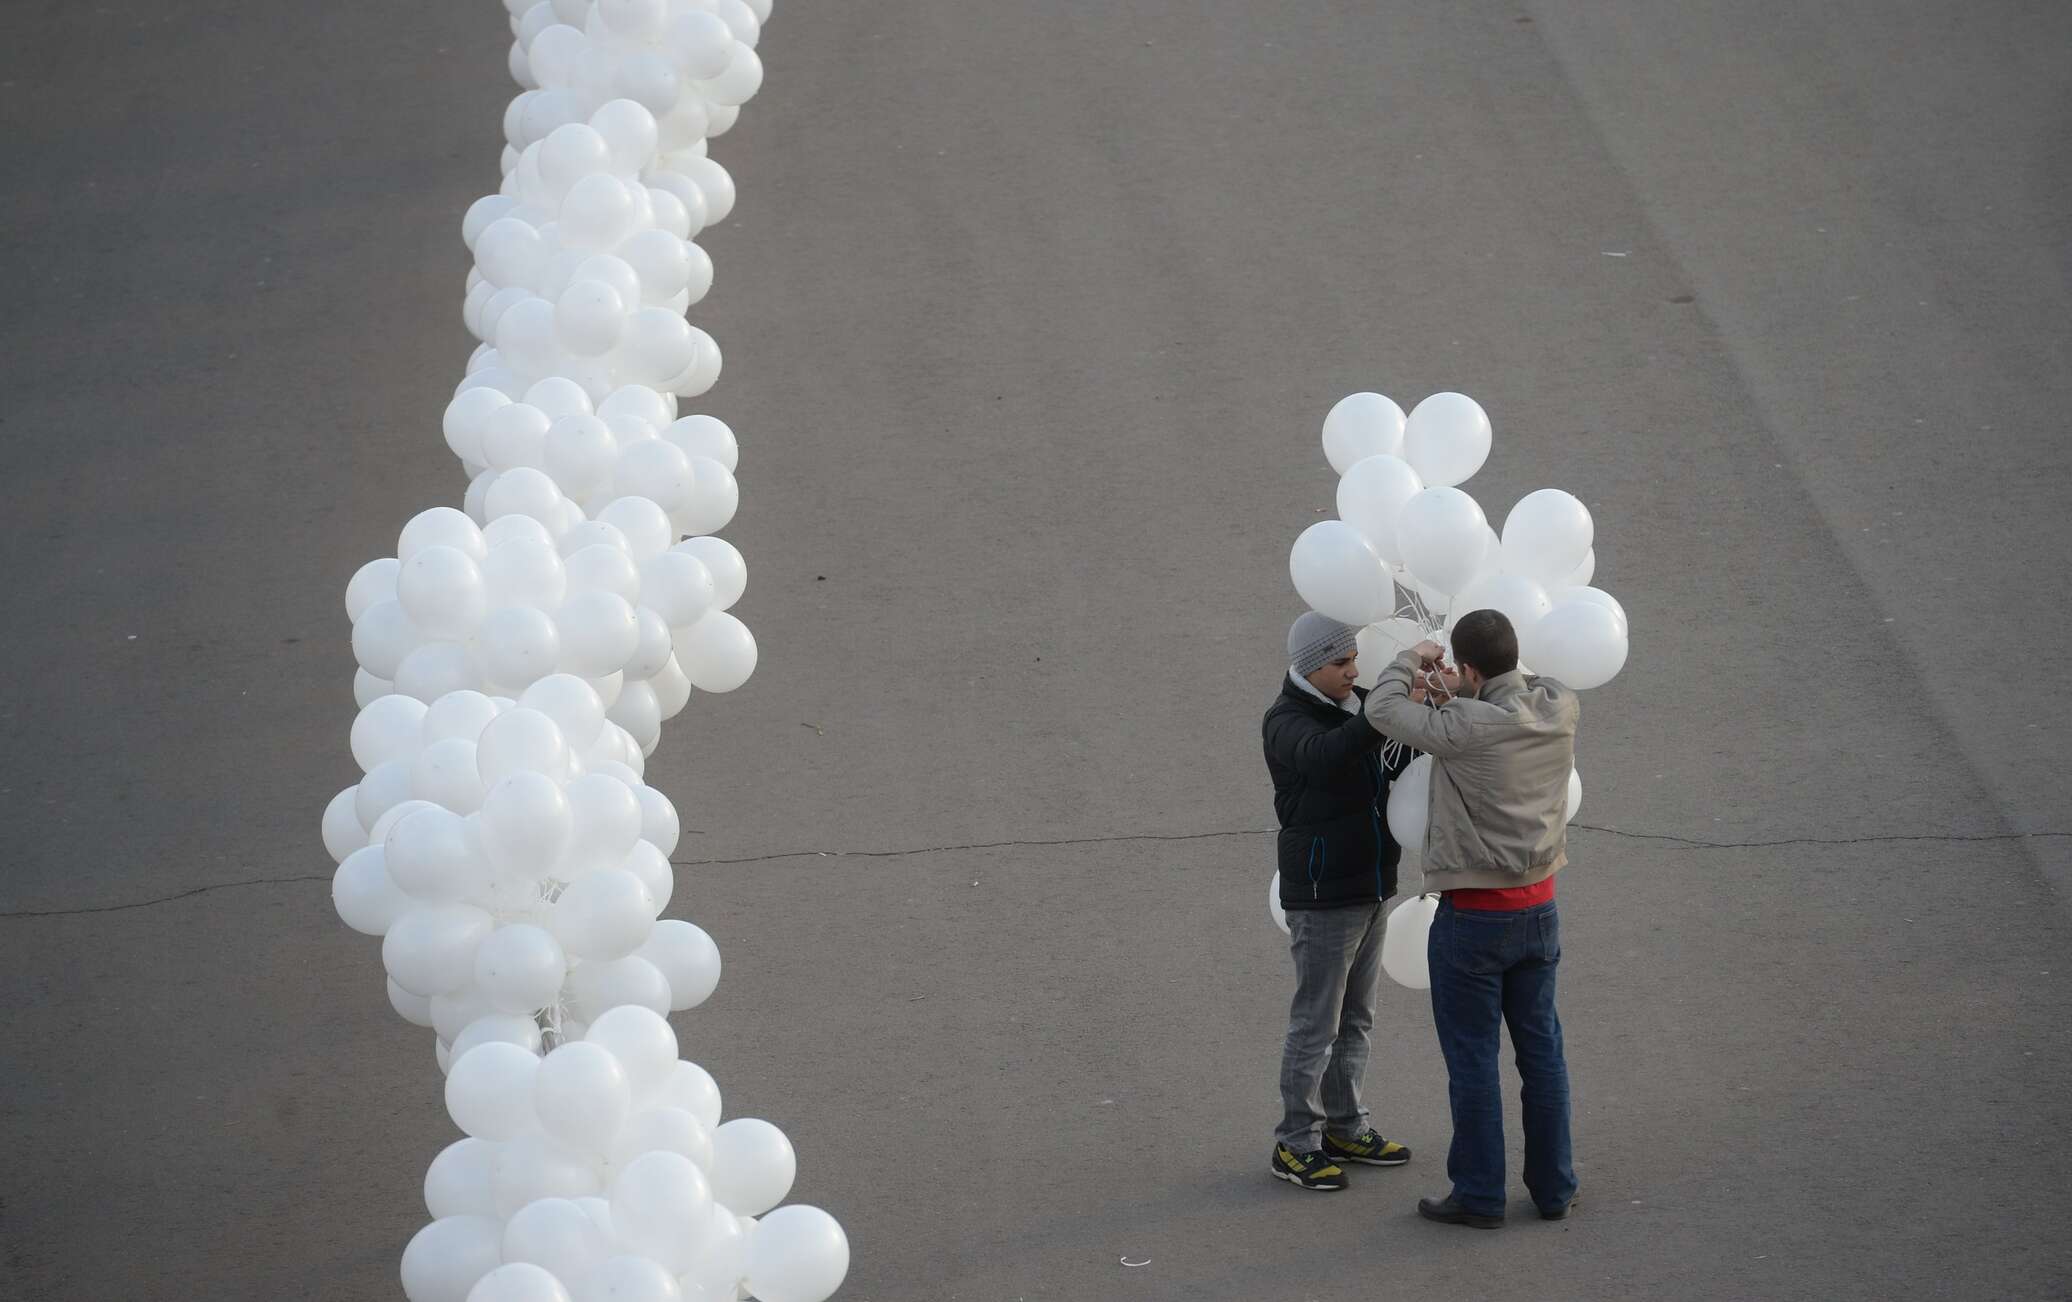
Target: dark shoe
x=1310, y=1170
x=1561, y=1213
x=1450, y=1212
x=1366, y=1147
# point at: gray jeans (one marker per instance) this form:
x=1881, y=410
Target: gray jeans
x=1331, y=1022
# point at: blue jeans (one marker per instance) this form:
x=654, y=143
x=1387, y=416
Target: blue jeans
x=1489, y=969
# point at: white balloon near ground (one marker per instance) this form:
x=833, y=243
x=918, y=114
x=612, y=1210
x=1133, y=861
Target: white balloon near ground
x=1404, y=953
x=1596, y=596
x=489, y=1091
x=641, y=1041
x=581, y=1095
x=660, y=1203
x=1339, y=573
x=1273, y=904
x=1575, y=796
x=724, y=562
x=1362, y=425
x=1446, y=439
x=1410, y=798
x=556, y=1235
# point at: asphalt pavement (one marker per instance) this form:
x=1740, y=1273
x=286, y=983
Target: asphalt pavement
x=1030, y=315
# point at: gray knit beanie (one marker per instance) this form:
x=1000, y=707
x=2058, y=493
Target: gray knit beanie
x=1316, y=640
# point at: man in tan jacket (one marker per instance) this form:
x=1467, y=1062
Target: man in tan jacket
x=1495, y=835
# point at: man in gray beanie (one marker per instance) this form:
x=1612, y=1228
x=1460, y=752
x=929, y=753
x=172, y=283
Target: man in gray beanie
x=1331, y=772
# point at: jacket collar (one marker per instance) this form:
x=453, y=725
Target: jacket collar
x=1502, y=687
x=1308, y=697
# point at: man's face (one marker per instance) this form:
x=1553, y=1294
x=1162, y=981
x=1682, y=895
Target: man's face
x=1335, y=680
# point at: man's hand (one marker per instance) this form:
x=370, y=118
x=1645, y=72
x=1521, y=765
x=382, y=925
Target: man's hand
x=1429, y=652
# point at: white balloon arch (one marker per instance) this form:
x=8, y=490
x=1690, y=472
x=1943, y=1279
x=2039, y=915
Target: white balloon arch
x=517, y=659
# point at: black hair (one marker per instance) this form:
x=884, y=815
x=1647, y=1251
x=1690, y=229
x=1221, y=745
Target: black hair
x=1484, y=641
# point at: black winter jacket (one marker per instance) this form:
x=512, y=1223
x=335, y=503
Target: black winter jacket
x=1331, y=779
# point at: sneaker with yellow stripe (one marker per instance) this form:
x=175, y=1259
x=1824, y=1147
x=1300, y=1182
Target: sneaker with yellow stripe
x=1367, y=1148
x=1311, y=1170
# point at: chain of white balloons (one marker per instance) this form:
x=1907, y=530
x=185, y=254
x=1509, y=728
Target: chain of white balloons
x=1410, y=553
x=516, y=662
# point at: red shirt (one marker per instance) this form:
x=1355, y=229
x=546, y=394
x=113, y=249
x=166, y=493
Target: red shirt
x=1504, y=899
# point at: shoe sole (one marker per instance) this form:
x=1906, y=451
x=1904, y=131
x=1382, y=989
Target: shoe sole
x=1300, y=1183
x=1367, y=1161
x=1472, y=1222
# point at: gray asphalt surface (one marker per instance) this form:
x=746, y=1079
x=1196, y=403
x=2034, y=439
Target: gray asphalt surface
x=1030, y=316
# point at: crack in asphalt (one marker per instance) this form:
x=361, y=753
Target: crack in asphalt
x=1687, y=842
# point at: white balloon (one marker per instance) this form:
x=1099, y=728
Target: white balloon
x=660, y=1205
x=445, y=1259
x=527, y=824
x=1446, y=439
x=717, y=653
x=676, y=584
x=489, y=1091
x=414, y=1009
x=379, y=792
x=520, y=968
x=1410, y=799
x=430, y=949
x=518, y=1282
x=1575, y=796
x=686, y=956
x=629, y=1278
x=1579, y=643
x=505, y=1028
x=705, y=436
x=431, y=857
x=535, y=1165
x=436, y=669
x=1442, y=536
x=1338, y=573
x=598, y=987
x=1595, y=596
x=1379, y=643
x=659, y=824
x=692, y=1088
x=382, y=636
x=1362, y=425
x=753, y=1166
x=458, y=716
x=1403, y=945
x=641, y=1041
x=604, y=915
x=1371, y=499
x=366, y=897
x=599, y=633
x=604, y=568
x=607, y=822
x=1519, y=599
x=644, y=526
x=556, y=1235
x=517, y=645
x=460, y=1179
x=342, y=831
x=582, y=1096
x=1547, y=536
x=663, y=1129
x=372, y=582
x=571, y=703
x=714, y=498
x=1273, y=904
x=522, y=740
x=797, y=1254
x=367, y=689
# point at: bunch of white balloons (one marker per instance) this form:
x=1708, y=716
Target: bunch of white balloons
x=1410, y=553
x=1404, y=522
x=516, y=662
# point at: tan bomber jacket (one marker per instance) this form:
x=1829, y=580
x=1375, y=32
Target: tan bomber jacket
x=1500, y=766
